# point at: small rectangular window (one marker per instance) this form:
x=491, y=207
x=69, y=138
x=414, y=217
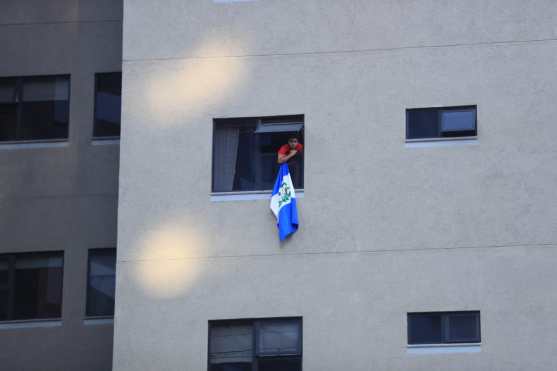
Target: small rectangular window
x=444, y=327
x=262, y=344
x=31, y=285
x=101, y=282
x=439, y=123
x=34, y=108
x=108, y=105
x=245, y=152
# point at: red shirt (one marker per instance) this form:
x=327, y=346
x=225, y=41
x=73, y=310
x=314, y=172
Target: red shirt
x=285, y=149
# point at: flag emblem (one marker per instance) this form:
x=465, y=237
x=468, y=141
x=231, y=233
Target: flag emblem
x=283, y=203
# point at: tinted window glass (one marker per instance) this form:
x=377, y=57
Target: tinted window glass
x=245, y=152
x=38, y=286
x=280, y=364
x=431, y=123
x=463, y=327
x=444, y=327
x=4, y=287
x=34, y=108
x=108, y=104
x=454, y=121
x=4, y=272
x=277, y=341
x=4, y=298
x=424, y=329
x=422, y=123
x=8, y=109
x=231, y=367
x=101, y=282
x=278, y=338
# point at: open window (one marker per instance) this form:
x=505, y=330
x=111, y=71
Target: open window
x=245, y=152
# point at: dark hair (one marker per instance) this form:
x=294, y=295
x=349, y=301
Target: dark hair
x=294, y=136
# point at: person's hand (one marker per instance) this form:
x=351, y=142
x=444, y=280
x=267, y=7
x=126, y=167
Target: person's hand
x=293, y=152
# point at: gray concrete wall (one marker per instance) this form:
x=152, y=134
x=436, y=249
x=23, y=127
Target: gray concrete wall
x=386, y=229
x=61, y=197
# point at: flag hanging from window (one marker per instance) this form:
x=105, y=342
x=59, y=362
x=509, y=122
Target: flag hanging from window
x=283, y=203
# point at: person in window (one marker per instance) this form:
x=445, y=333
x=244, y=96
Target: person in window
x=291, y=154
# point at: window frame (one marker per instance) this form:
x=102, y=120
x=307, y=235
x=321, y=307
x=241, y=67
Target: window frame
x=12, y=259
x=111, y=137
x=253, y=194
x=87, y=315
x=19, y=101
x=254, y=323
x=445, y=327
x=439, y=112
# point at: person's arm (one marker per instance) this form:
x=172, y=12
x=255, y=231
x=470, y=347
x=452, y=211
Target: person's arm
x=282, y=158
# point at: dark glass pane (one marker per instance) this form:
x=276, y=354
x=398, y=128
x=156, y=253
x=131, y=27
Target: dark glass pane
x=245, y=155
x=422, y=123
x=231, y=344
x=4, y=288
x=464, y=327
x=424, y=329
x=279, y=337
x=8, y=109
x=4, y=298
x=280, y=364
x=45, y=108
x=44, y=120
x=8, y=122
x=458, y=122
x=38, y=286
x=4, y=273
x=101, y=282
x=108, y=104
x=247, y=164
x=231, y=367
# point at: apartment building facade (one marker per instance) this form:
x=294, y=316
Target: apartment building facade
x=427, y=208
x=60, y=71
x=428, y=216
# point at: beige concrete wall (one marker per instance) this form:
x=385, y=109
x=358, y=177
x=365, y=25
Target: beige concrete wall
x=61, y=197
x=386, y=229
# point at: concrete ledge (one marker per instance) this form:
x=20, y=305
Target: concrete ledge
x=443, y=348
x=247, y=196
x=105, y=142
x=32, y=145
x=11, y=325
x=98, y=321
x=441, y=143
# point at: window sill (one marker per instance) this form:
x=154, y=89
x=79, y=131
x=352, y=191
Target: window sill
x=247, y=195
x=444, y=348
x=29, y=144
x=100, y=141
x=32, y=323
x=101, y=320
x=441, y=142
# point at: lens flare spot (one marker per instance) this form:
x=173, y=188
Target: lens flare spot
x=191, y=85
x=166, y=266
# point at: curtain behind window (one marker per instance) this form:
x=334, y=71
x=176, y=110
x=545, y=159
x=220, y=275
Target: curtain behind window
x=225, y=157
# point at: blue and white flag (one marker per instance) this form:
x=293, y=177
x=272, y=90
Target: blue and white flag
x=283, y=203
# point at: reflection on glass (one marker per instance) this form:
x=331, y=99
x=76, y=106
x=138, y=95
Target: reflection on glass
x=101, y=282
